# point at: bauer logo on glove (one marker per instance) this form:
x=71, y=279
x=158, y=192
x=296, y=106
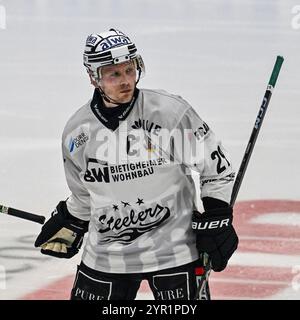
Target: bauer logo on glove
x=62, y=235
x=215, y=235
x=215, y=224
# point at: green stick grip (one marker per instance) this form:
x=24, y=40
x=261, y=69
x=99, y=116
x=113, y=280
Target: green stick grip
x=276, y=71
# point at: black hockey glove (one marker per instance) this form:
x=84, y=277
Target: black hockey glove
x=62, y=234
x=215, y=235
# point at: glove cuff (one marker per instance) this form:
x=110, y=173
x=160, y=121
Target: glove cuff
x=71, y=222
x=218, y=212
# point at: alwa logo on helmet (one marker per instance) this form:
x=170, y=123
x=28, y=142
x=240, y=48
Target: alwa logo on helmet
x=109, y=42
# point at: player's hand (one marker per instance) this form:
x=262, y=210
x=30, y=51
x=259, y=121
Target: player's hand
x=215, y=235
x=62, y=234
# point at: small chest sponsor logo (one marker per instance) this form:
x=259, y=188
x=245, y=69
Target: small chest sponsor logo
x=78, y=141
x=146, y=125
x=201, y=131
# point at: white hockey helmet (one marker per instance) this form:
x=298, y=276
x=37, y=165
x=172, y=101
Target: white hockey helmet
x=108, y=48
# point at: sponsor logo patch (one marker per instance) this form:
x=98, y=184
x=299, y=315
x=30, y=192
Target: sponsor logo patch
x=77, y=138
x=78, y=141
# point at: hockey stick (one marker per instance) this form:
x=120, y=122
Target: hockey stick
x=22, y=214
x=202, y=279
x=256, y=128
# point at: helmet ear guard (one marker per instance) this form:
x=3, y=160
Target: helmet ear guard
x=140, y=66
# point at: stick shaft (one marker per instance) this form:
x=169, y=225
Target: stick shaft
x=255, y=130
x=22, y=214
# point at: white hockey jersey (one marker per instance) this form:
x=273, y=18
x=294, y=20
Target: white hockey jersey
x=134, y=185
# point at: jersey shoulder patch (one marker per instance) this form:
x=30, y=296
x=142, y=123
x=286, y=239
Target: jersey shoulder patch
x=77, y=130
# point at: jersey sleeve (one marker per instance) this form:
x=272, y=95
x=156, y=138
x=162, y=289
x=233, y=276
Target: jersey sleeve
x=78, y=202
x=203, y=152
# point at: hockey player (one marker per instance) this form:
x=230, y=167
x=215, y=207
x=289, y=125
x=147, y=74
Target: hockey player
x=127, y=156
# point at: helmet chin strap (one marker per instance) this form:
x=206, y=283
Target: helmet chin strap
x=107, y=98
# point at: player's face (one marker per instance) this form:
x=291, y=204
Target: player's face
x=118, y=81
